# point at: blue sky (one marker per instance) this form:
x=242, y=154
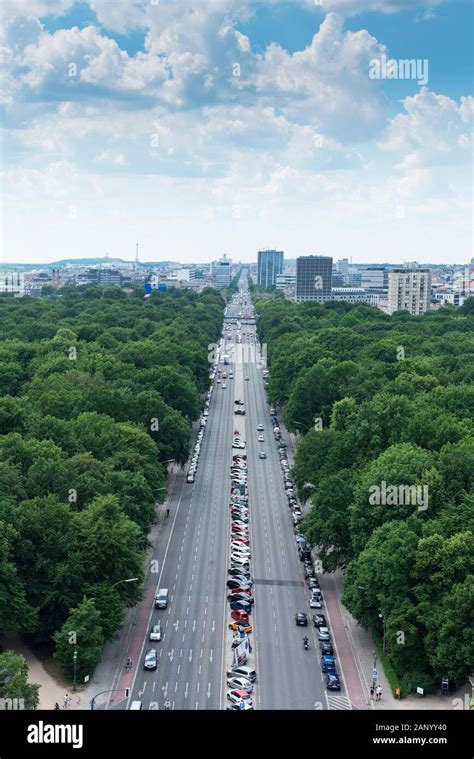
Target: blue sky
x=211, y=126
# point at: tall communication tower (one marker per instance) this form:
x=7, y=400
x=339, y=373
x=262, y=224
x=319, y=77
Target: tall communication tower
x=136, y=253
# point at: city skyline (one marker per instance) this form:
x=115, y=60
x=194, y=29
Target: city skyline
x=209, y=128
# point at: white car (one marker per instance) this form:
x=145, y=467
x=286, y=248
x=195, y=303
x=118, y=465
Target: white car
x=155, y=634
x=205, y=412
x=259, y=427
x=240, y=683
x=323, y=633
x=261, y=439
x=315, y=602
x=237, y=695
x=190, y=477
x=224, y=386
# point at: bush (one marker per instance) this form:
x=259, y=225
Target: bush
x=413, y=680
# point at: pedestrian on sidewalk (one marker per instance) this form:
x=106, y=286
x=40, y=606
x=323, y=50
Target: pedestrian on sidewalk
x=66, y=700
x=56, y=706
x=379, y=692
x=167, y=512
x=372, y=692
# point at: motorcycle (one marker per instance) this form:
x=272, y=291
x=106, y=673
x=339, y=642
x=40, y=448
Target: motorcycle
x=305, y=644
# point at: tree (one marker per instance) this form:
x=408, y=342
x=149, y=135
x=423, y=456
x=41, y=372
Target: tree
x=15, y=612
x=14, y=680
x=106, y=545
x=82, y=632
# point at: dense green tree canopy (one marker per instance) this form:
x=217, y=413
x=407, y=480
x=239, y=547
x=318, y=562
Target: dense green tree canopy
x=98, y=388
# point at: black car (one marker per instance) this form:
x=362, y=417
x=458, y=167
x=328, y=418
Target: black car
x=239, y=572
x=239, y=403
x=319, y=620
x=301, y=618
x=326, y=648
x=332, y=681
x=239, y=411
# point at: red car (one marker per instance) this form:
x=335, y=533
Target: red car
x=244, y=541
x=240, y=616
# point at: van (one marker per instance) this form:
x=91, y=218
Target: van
x=136, y=705
x=161, y=599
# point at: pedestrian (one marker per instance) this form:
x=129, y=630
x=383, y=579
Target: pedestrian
x=56, y=706
x=379, y=692
x=66, y=701
x=372, y=692
x=167, y=512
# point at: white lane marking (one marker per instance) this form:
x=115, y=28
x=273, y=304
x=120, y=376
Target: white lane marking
x=186, y=690
x=190, y=654
x=209, y=690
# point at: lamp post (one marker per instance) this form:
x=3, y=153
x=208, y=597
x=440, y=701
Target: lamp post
x=74, y=659
x=381, y=616
x=300, y=424
x=129, y=579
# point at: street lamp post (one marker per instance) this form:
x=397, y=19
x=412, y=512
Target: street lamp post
x=74, y=659
x=300, y=424
x=129, y=579
x=381, y=616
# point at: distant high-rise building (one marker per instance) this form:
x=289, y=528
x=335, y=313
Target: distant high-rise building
x=313, y=278
x=342, y=267
x=374, y=278
x=269, y=266
x=409, y=290
x=109, y=277
x=221, y=272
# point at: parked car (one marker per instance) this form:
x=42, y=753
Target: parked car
x=242, y=671
x=237, y=696
x=326, y=648
x=328, y=664
x=332, y=681
x=323, y=633
x=319, y=620
x=240, y=683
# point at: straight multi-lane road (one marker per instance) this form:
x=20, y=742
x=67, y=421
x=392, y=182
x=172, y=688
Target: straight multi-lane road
x=192, y=549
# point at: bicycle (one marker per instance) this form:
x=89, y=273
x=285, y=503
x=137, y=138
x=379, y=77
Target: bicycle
x=128, y=664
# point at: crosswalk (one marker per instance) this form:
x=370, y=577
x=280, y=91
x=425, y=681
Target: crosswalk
x=338, y=702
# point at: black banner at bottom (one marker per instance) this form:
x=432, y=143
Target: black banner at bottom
x=84, y=733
